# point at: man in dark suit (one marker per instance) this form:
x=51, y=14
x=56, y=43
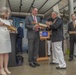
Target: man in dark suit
x=57, y=37
x=33, y=37
x=72, y=27
x=20, y=36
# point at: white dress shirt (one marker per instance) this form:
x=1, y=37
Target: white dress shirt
x=35, y=18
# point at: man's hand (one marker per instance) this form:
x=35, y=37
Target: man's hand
x=36, y=26
x=41, y=28
x=49, y=23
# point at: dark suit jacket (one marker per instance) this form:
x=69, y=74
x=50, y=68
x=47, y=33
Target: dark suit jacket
x=20, y=32
x=71, y=28
x=57, y=30
x=30, y=32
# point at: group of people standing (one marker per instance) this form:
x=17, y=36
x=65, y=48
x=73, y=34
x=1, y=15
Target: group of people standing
x=56, y=26
x=33, y=39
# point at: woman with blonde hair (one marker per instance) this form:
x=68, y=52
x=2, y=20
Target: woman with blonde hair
x=5, y=44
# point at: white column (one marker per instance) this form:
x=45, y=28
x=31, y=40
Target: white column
x=71, y=8
x=56, y=8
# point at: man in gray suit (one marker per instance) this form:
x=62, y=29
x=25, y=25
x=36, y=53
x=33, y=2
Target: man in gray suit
x=33, y=37
x=57, y=37
x=72, y=27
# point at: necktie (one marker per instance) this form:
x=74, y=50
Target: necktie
x=74, y=24
x=35, y=21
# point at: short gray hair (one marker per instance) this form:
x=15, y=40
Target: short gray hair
x=55, y=12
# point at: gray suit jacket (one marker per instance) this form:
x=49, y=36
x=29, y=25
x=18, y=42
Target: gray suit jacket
x=30, y=32
x=57, y=30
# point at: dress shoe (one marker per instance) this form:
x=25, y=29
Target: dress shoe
x=48, y=55
x=60, y=67
x=70, y=59
x=32, y=65
x=37, y=64
x=52, y=63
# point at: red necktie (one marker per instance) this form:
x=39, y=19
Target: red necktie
x=35, y=21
